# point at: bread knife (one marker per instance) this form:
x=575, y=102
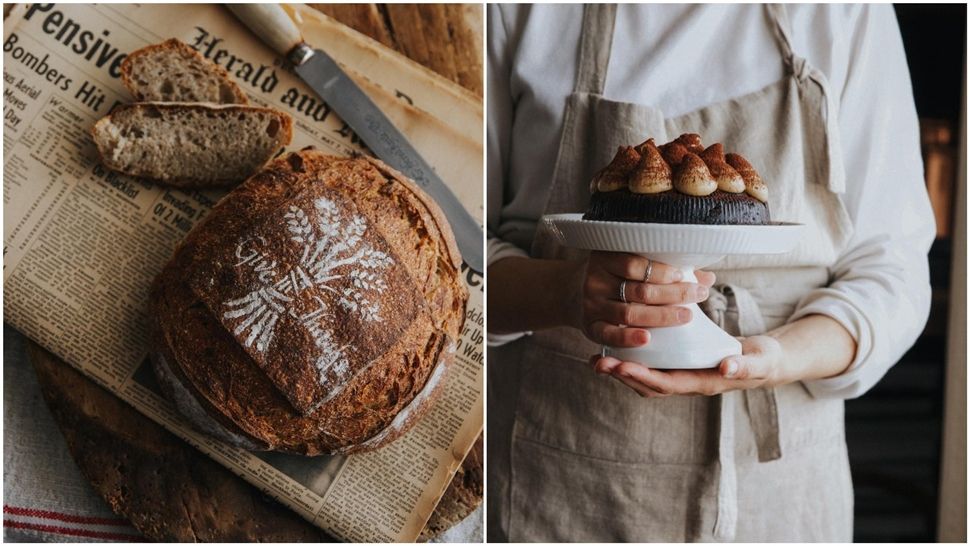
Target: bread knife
x=272, y=25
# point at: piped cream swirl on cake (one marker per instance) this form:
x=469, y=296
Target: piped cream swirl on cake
x=614, y=176
x=682, y=165
x=753, y=184
x=727, y=178
x=693, y=178
x=652, y=174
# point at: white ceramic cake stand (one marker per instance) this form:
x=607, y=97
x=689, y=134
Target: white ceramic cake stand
x=699, y=343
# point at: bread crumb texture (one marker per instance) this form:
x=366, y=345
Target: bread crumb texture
x=314, y=309
x=174, y=71
x=191, y=144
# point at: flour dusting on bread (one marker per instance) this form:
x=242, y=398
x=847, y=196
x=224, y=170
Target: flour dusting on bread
x=338, y=267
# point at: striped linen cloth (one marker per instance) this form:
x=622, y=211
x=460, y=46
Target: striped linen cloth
x=45, y=497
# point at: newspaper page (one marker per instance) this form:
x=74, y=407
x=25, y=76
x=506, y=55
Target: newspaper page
x=82, y=244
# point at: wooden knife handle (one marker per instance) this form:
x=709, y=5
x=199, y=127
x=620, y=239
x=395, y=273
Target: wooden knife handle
x=271, y=24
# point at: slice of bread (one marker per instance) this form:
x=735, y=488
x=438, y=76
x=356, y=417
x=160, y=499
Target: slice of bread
x=173, y=71
x=191, y=145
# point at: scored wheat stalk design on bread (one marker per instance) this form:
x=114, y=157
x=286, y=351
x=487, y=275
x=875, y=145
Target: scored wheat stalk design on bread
x=334, y=244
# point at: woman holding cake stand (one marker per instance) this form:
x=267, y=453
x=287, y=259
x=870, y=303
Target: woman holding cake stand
x=818, y=98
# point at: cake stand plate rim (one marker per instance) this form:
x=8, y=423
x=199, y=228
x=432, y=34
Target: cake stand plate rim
x=572, y=230
x=577, y=217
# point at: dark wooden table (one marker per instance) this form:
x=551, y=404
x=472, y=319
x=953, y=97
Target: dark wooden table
x=166, y=488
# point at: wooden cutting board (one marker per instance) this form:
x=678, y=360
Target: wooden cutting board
x=166, y=488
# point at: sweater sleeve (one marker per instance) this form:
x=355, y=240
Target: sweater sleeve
x=500, y=115
x=880, y=291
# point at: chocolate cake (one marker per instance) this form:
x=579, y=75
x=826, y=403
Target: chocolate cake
x=680, y=182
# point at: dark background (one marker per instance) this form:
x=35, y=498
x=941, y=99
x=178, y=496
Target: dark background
x=894, y=431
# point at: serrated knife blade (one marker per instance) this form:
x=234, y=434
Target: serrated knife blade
x=356, y=109
x=271, y=24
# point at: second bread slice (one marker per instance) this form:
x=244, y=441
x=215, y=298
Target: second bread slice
x=173, y=71
x=191, y=144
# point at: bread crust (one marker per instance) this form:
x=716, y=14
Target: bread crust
x=286, y=127
x=383, y=397
x=184, y=50
x=454, y=256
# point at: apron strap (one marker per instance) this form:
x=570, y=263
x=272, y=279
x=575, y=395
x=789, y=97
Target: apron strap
x=726, y=520
x=734, y=309
x=595, y=44
x=762, y=406
x=782, y=27
x=812, y=81
x=750, y=322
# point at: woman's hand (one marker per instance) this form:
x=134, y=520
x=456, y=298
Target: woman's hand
x=528, y=294
x=602, y=315
x=759, y=365
x=784, y=355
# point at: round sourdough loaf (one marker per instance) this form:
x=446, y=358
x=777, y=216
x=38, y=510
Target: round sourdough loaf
x=314, y=310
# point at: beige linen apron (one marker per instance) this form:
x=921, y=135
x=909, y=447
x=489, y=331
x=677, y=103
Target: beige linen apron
x=579, y=457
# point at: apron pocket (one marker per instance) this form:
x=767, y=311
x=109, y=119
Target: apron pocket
x=613, y=124
x=564, y=405
x=565, y=497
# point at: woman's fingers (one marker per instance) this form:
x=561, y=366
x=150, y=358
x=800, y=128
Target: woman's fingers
x=603, y=365
x=757, y=361
x=705, y=382
x=705, y=277
x=643, y=316
x=664, y=294
x=606, y=286
x=617, y=336
x=658, y=383
x=640, y=388
x=757, y=366
x=641, y=304
x=642, y=375
x=634, y=268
